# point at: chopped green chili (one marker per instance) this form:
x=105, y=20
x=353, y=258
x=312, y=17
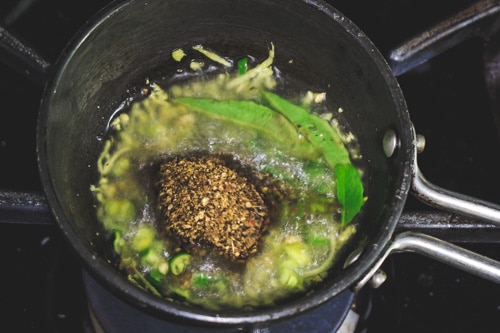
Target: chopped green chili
x=242, y=65
x=143, y=238
x=179, y=263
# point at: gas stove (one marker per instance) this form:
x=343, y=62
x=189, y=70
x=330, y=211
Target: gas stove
x=453, y=102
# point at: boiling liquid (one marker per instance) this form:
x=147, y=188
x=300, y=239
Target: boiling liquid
x=296, y=251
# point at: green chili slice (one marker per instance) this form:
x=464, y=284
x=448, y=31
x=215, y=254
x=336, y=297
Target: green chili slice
x=179, y=263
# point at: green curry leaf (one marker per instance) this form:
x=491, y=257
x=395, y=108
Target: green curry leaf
x=290, y=124
x=254, y=116
x=327, y=140
x=318, y=131
x=349, y=191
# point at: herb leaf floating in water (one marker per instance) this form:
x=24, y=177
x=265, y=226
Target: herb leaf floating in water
x=349, y=191
x=283, y=121
x=325, y=138
x=316, y=130
x=259, y=118
x=245, y=113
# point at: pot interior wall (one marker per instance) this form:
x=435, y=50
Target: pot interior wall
x=118, y=52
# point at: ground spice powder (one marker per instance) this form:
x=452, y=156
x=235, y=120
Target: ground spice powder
x=203, y=202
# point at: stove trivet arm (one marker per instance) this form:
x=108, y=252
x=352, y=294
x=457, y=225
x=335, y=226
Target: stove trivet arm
x=23, y=58
x=24, y=208
x=472, y=21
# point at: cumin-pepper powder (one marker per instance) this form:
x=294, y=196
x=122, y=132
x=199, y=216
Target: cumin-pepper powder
x=204, y=202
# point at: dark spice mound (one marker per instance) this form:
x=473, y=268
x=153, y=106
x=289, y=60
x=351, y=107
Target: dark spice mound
x=204, y=201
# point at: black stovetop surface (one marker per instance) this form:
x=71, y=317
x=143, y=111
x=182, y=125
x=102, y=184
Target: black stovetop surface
x=41, y=284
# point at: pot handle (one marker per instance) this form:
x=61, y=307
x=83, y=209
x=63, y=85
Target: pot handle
x=476, y=20
x=436, y=249
x=450, y=201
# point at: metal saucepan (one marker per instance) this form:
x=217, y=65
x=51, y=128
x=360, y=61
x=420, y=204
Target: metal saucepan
x=130, y=41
